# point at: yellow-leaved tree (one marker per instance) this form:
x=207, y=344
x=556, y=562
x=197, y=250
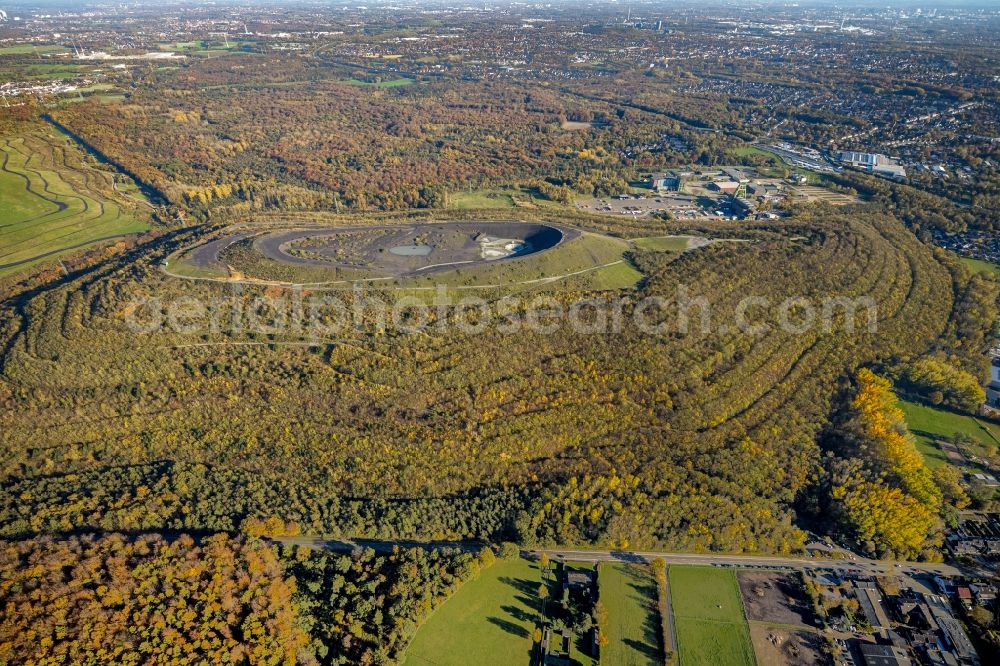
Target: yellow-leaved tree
x=885, y=494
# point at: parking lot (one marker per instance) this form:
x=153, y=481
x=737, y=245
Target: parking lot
x=679, y=206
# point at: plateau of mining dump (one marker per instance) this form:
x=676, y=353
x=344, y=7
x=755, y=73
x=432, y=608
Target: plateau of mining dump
x=410, y=250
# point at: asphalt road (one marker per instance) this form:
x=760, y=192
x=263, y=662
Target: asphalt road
x=860, y=566
x=857, y=565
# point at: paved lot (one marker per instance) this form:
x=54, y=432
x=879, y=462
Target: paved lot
x=678, y=205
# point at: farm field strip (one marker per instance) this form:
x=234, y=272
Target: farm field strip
x=708, y=614
x=628, y=592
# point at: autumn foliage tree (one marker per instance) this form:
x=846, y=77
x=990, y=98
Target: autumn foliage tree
x=941, y=383
x=881, y=491
x=90, y=600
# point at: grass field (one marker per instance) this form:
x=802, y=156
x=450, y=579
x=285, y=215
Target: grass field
x=204, y=47
x=980, y=266
x=747, y=151
x=708, y=614
x=778, y=165
x=773, y=169
x=480, y=199
x=55, y=201
x=391, y=83
x=95, y=87
x=927, y=423
x=663, y=243
x=28, y=68
x=629, y=594
x=622, y=275
x=590, y=261
x=28, y=49
x=489, y=621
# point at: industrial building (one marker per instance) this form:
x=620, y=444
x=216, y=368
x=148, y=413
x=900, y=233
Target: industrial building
x=884, y=655
x=872, y=162
x=993, y=388
x=666, y=182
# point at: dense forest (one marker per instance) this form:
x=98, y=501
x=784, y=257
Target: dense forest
x=704, y=439
x=285, y=133
x=236, y=134
x=218, y=599
x=94, y=600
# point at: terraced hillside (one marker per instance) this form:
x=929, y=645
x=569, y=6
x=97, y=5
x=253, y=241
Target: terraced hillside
x=696, y=439
x=55, y=199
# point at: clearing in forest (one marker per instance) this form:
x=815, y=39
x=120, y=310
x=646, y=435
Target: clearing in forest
x=665, y=243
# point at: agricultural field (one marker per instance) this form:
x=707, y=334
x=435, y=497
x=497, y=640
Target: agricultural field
x=781, y=646
x=39, y=71
x=708, y=613
x=488, y=622
x=28, y=49
x=770, y=596
x=56, y=200
x=929, y=423
x=628, y=592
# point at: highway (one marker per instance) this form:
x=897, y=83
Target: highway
x=845, y=565
x=858, y=565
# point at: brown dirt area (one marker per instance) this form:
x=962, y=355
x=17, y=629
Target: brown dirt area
x=771, y=596
x=782, y=647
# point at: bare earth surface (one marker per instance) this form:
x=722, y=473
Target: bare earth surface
x=771, y=596
x=386, y=249
x=782, y=647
